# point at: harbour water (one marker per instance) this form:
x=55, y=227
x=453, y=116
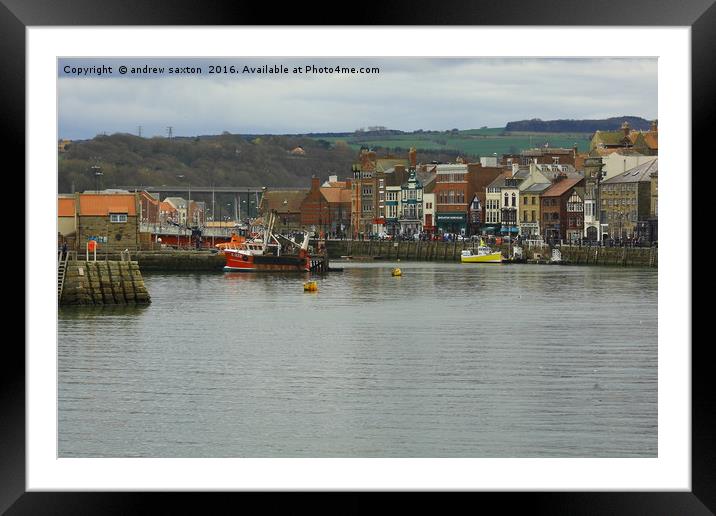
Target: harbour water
x=447, y=360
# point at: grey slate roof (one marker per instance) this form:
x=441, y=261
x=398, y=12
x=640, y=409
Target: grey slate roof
x=637, y=174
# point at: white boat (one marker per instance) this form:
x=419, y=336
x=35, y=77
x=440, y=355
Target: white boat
x=483, y=255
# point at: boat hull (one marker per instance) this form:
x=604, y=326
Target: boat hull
x=486, y=258
x=236, y=262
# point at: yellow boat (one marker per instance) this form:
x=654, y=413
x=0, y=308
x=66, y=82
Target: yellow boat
x=484, y=255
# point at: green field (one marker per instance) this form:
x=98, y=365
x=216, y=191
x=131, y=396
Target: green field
x=473, y=142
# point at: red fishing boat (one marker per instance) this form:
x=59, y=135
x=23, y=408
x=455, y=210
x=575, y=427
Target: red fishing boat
x=268, y=254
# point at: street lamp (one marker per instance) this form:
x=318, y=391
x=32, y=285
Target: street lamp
x=97, y=171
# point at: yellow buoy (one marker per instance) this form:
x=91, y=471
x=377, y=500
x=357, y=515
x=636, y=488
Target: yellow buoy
x=396, y=272
x=310, y=286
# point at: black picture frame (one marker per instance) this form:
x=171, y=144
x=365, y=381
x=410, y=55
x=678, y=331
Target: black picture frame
x=700, y=15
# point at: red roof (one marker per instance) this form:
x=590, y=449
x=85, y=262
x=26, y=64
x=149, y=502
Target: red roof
x=560, y=187
x=334, y=195
x=100, y=205
x=66, y=207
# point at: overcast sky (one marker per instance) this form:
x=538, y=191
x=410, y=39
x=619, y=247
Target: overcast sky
x=407, y=94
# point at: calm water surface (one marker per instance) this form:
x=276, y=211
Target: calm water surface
x=448, y=360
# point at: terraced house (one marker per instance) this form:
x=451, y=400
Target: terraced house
x=369, y=189
x=626, y=202
x=411, y=205
x=529, y=214
x=553, y=207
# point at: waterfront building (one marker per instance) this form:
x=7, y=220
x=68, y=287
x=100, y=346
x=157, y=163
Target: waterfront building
x=149, y=208
x=529, y=213
x=179, y=205
x=626, y=201
x=654, y=211
x=622, y=160
x=338, y=195
x=368, y=190
x=392, y=209
x=167, y=213
x=111, y=219
x=197, y=213
x=287, y=206
x=479, y=176
x=493, y=201
x=315, y=210
x=575, y=215
x=428, y=212
x=66, y=223
x=411, y=205
x=452, y=194
x=594, y=222
x=475, y=211
x=553, y=207
x=509, y=194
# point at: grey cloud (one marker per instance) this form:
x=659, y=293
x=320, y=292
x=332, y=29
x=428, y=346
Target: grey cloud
x=408, y=94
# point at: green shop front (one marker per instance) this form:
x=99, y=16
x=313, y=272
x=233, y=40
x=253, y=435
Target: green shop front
x=451, y=222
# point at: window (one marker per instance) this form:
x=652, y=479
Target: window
x=118, y=217
x=524, y=201
x=533, y=215
x=514, y=199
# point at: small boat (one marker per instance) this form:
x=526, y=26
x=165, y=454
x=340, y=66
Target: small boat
x=396, y=272
x=484, y=255
x=310, y=286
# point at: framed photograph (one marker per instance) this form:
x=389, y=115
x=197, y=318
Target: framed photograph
x=407, y=257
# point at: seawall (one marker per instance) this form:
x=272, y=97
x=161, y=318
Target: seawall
x=450, y=252
x=103, y=282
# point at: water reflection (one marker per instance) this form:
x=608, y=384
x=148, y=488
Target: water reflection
x=447, y=360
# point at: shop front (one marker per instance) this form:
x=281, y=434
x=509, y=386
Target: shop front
x=378, y=225
x=451, y=222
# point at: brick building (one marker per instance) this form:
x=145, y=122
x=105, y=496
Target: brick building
x=370, y=178
x=553, y=207
x=286, y=204
x=149, y=208
x=109, y=218
x=338, y=196
x=315, y=210
x=575, y=215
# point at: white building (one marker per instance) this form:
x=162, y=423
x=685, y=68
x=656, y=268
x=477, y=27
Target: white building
x=620, y=161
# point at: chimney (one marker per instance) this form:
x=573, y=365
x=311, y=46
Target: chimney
x=654, y=127
x=625, y=128
x=315, y=184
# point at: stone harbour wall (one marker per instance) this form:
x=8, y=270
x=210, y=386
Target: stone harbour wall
x=103, y=282
x=450, y=251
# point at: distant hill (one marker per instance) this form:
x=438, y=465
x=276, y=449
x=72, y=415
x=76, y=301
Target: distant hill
x=576, y=126
x=221, y=160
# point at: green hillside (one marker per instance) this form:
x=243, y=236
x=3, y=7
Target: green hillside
x=472, y=142
x=222, y=160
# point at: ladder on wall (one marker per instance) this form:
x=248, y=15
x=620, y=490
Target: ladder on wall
x=61, y=270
